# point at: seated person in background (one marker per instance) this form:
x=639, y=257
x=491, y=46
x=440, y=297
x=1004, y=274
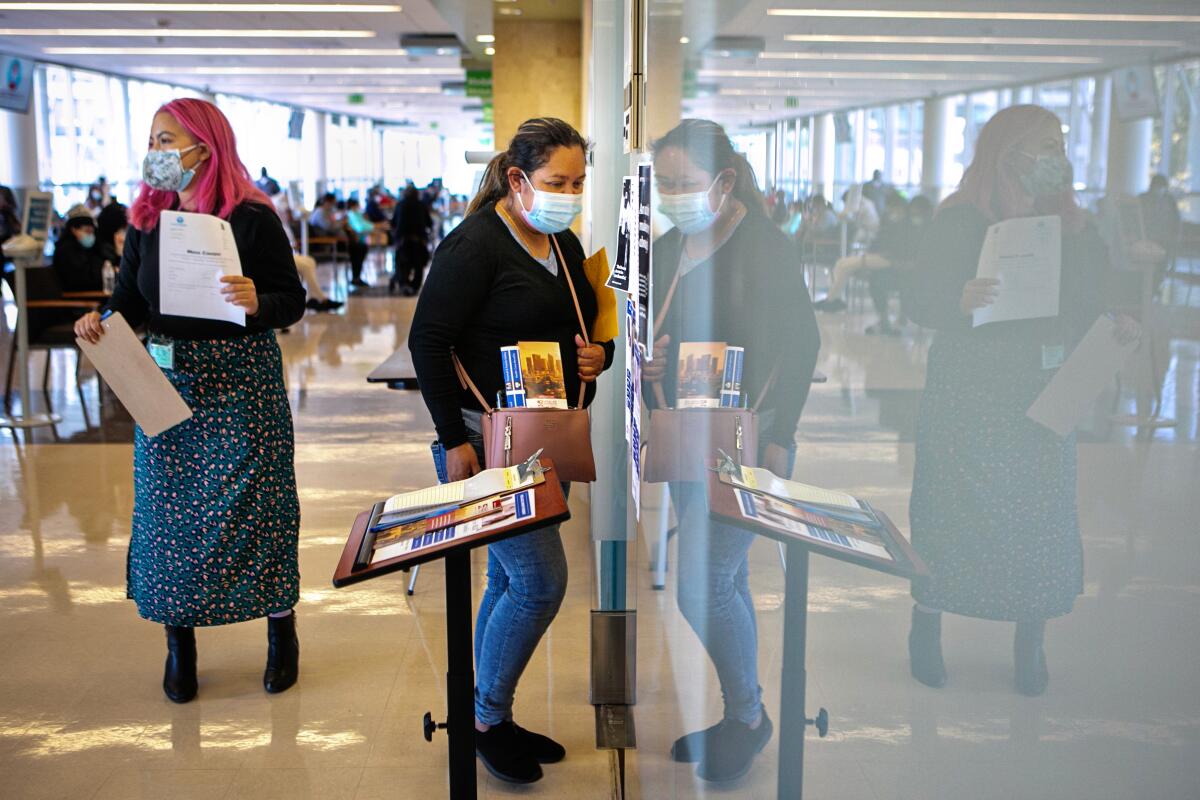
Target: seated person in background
x=325, y=221
x=896, y=279
x=860, y=215
x=877, y=191
x=795, y=217
x=268, y=185
x=306, y=266
x=889, y=246
x=110, y=232
x=818, y=227
x=357, y=222
x=77, y=260
x=10, y=221
x=1160, y=215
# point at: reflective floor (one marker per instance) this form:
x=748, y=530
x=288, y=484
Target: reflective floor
x=82, y=714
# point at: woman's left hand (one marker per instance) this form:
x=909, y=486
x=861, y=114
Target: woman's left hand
x=239, y=290
x=591, y=360
x=776, y=459
x=1128, y=329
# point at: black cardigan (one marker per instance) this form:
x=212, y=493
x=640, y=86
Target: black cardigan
x=79, y=268
x=266, y=257
x=485, y=292
x=750, y=293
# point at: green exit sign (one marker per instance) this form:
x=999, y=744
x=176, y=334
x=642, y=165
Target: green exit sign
x=791, y=102
x=356, y=99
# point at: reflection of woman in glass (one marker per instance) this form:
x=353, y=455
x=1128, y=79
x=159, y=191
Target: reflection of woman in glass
x=993, y=500
x=737, y=280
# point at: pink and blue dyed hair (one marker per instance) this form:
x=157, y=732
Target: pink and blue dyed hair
x=222, y=184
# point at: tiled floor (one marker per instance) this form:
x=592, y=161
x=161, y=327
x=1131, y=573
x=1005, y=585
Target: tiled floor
x=82, y=714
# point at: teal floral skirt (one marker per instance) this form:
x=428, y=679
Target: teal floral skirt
x=216, y=518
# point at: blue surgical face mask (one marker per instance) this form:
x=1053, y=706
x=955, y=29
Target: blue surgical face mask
x=88, y=240
x=691, y=212
x=551, y=212
x=1050, y=175
x=163, y=170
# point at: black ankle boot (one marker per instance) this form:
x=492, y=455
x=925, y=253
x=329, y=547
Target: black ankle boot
x=925, y=649
x=1029, y=658
x=179, y=674
x=283, y=654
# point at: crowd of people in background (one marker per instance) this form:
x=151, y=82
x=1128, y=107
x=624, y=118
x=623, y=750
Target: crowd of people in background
x=877, y=235
x=88, y=240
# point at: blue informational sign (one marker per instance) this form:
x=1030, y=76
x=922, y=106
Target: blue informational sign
x=16, y=83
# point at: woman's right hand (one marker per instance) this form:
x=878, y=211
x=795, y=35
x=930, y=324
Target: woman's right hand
x=654, y=369
x=978, y=293
x=462, y=462
x=88, y=327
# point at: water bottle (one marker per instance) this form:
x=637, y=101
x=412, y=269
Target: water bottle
x=108, y=278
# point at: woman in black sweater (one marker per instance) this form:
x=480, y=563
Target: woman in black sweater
x=216, y=517
x=734, y=277
x=500, y=278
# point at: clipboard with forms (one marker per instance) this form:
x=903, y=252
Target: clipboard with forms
x=135, y=379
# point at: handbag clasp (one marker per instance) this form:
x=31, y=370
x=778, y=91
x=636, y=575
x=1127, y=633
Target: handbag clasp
x=508, y=422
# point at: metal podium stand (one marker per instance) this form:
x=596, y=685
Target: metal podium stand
x=550, y=508
x=793, y=722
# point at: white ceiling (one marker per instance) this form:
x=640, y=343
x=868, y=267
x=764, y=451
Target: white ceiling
x=360, y=54
x=819, y=74
x=822, y=68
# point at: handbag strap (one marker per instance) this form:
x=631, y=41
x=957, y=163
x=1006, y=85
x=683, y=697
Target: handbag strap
x=465, y=379
x=467, y=383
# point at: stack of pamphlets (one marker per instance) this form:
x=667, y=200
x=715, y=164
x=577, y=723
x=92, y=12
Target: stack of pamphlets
x=533, y=375
x=709, y=375
x=830, y=516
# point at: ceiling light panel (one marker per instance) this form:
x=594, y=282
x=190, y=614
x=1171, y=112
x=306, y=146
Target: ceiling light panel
x=183, y=33
x=988, y=16
x=976, y=58
x=332, y=52
x=864, y=75
x=357, y=71
x=245, y=8
x=1013, y=41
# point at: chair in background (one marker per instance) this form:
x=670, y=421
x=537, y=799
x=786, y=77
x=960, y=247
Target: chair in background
x=51, y=318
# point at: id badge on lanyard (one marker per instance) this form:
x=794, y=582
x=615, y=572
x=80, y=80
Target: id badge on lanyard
x=163, y=353
x=1053, y=356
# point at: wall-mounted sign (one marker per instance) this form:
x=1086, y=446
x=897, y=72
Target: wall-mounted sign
x=1135, y=92
x=16, y=83
x=479, y=83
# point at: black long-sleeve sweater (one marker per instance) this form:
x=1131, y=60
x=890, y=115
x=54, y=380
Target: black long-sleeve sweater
x=485, y=292
x=750, y=293
x=266, y=258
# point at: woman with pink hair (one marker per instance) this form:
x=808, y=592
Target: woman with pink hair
x=216, y=517
x=993, y=508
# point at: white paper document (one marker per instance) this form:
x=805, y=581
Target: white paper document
x=194, y=251
x=1025, y=255
x=483, y=484
x=1074, y=388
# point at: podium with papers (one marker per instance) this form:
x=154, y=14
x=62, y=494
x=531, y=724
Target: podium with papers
x=449, y=521
x=805, y=519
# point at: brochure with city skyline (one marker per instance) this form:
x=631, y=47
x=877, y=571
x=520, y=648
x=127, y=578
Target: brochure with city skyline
x=542, y=372
x=701, y=368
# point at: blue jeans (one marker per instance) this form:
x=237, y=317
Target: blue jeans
x=713, y=591
x=527, y=580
